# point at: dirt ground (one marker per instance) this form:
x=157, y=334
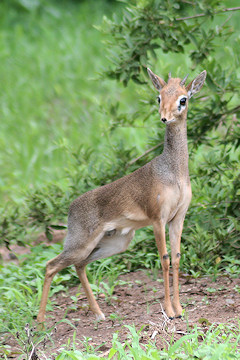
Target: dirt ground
x=138, y=301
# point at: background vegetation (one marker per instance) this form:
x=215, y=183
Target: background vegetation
x=78, y=111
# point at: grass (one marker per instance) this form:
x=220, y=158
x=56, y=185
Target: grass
x=218, y=342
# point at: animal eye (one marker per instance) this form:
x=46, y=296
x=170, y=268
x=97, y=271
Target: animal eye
x=183, y=101
x=159, y=99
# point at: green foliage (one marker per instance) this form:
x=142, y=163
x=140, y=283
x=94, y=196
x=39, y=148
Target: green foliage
x=21, y=284
x=11, y=226
x=43, y=210
x=26, y=5
x=153, y=24
x=217, y=343
x=149, y=29
x=48, y=95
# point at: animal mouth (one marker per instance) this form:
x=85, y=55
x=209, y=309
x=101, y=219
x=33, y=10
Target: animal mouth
x=165, y=121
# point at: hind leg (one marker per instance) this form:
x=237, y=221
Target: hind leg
x=113, y=243
x=88, y=291
x=77, y=247
x=53, y=267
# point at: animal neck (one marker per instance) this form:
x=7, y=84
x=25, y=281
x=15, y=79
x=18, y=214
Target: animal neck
x=176, y=148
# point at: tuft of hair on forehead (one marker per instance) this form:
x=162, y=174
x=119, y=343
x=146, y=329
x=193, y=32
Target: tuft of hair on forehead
x=180, y=82
x=173, y=88
x=173, y=82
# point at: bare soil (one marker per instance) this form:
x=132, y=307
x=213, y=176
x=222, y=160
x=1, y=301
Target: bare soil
x=137, y=301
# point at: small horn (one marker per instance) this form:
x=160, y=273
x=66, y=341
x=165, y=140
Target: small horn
x=184, y=80
x=169, y=76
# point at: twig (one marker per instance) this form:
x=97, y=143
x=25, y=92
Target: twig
x=182, y=333
x=166, y=318
x=201, y=15
x=166, y=322
x=32, y=352
x=230, y=16
x=154, y=334
x=144, y=154
x=164, y=326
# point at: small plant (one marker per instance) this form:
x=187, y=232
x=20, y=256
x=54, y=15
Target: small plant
x=108, y=291
x=232, y=266
x=30, y=339
x=218, y=342
x=237, y=288
x=74, y=304
x=115, y=318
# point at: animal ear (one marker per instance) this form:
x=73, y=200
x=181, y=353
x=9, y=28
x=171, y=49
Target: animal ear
x=196, y=84
x=156, y=80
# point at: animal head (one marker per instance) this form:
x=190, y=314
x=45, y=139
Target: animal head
x=174, y=95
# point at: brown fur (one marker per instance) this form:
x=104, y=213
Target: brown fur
x=102, y=222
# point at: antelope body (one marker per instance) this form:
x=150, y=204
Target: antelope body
x=102, y=222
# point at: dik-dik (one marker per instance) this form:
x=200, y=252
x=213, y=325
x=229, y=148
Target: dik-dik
x=102, y=222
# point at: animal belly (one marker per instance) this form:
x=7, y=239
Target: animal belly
x=113, y=242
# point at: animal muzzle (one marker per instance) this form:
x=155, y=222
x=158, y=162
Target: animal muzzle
x=166, y=121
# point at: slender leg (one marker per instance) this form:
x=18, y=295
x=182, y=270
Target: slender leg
x=159, y=232
x=53, y=266
x=88, y=291
x=175, y=232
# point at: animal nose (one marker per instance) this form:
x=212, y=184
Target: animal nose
x=164, y=120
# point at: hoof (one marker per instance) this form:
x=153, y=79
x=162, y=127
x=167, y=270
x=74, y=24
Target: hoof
x=41, y=326
x=179, y=317
x=40, y=319
x=171, y=318
x=100, y=317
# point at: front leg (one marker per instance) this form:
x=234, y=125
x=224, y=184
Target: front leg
x=159, y=232
x=175, y=232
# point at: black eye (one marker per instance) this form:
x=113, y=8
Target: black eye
x=183, y=101
x=159, y=99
